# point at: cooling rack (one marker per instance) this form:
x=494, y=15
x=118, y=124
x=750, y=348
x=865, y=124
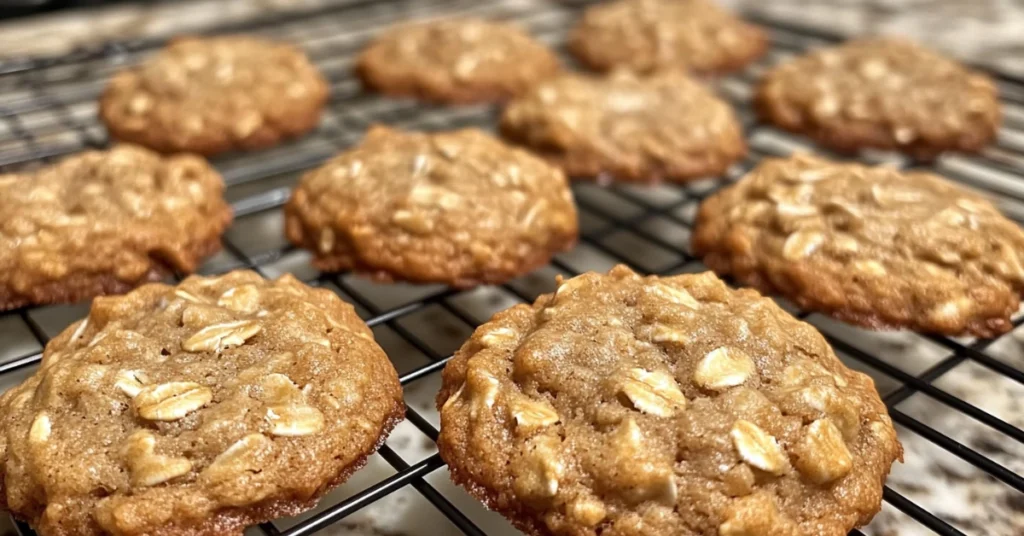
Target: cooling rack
x=943, y=393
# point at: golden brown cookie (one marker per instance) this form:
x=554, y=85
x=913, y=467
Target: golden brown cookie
x=644, y=129
x=884, y=93
x=457, y=60
x=869, y=245
x=195, y=410
x=215, y=94
x=652, y=406
x=456, y=207
x=650, y=35
x=103, y=222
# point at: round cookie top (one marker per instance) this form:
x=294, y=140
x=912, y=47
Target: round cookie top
x=195, y=409
x=649, y=35
x=456, y=60
x=105, y=221
x=882, y=92
x=662, y=127
x=623, y=404
x=455, y=207
x=868, y=245
x=210, y=95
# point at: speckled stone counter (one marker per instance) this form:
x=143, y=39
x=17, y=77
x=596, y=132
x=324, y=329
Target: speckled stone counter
x=982, y=31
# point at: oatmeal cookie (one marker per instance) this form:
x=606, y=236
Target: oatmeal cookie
x=195, y=410
x=456, y=207
x=103, y=222
x=458, y=60
x=215, y=94
x=869, y=245
x=650, y=35
x=642, y=129
x=652, y=406
x=884, y=93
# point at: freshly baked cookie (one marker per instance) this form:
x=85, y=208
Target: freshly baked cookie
x=662, y=127
x=102, y=222
x=869, y=245
x=654, y=406
x=457, y=60
x=884, y=93
x=456, y=207
x=197, y=409
x=649, y=35
x=215, y=94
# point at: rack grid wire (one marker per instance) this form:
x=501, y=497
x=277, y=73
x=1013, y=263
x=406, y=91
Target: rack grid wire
x=48, y=110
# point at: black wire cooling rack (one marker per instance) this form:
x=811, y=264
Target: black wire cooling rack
x=48, y=110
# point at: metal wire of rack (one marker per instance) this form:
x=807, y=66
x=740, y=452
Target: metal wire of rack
x=48, y=109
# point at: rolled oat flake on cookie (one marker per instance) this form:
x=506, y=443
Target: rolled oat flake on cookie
x=198, y=409
x=661, y=406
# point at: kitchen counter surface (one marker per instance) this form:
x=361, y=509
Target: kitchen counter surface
x=983, y=31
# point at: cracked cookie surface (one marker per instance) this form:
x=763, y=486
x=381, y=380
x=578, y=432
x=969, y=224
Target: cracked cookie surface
x=456, y=207
x=195, y=410
x=884, y=93
x=215, y=94
x=869, y=245
x=103, y=222
x=665, y=127
x=627, y=405
x=651, y=35
x=456, y=60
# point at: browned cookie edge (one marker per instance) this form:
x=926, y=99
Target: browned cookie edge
x=412, y=86
x=866, y=135
x=587, y=165
x=579, y=47
x=343, y=258
x=231, y=522
x=454, y=373
x=79, y=287
x=711, y=242
x=264, y=137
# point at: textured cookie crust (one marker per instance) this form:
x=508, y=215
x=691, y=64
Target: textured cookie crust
x=459, y=60
x=649, y=35
x=884, y=93
x=195, y=410
x=662, y=127
x=626, y=405
x=210, y=95
x=456, y=207
x=104, y=222
x=868, y=245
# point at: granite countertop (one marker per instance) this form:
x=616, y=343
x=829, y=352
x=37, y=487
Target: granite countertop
x=981, y=31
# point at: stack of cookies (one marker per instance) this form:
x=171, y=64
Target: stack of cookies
x=619, y=404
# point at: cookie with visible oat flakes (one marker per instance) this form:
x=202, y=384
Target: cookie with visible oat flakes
x=215, y=94
x=103, y=222
x=884, y=93
x=456, y=207
x=652, y=35
x=458, y=60
x=628, y=405
x=661, y=127
x=195, y=410
x=869, y=245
